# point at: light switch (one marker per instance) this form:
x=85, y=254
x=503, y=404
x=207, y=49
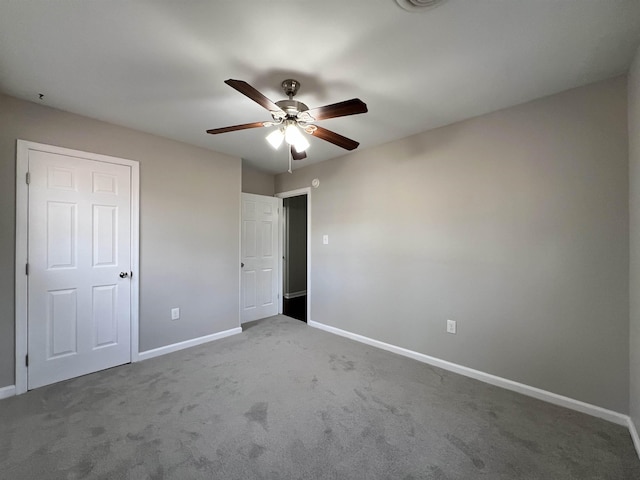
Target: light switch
x=325, y=239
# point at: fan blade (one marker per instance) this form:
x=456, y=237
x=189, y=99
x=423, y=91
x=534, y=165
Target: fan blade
x=297, y=155
x=335, y=138
x=244, y=126
x=340, y=109
x=246, y=89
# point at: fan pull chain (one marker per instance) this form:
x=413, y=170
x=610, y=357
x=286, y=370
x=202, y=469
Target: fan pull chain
x=290, y=160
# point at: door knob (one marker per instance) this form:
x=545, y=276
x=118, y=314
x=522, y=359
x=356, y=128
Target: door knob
x=124, y=274
x=241, y=265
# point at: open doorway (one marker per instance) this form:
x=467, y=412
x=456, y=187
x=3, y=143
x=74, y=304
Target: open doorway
x=294, y=271
x=295, y=256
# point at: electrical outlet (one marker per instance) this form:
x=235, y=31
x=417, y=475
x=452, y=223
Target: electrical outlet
x=175, y=313
x=325, y=239
x=451, y=326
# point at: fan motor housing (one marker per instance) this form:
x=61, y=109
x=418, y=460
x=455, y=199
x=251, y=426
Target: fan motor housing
x=292, y=107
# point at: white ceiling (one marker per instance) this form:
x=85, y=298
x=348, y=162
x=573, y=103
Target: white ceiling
x=159, y=66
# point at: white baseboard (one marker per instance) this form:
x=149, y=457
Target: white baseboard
x=156, y=352
x=534, y=392
x=6, y=392
x=634, y=436
x=291, y=295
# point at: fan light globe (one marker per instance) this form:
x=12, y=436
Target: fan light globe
x=301, y=145
x=294, y=137
x=275, y=138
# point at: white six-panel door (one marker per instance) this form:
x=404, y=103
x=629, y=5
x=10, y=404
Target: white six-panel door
x=79, y=253
x=259, y=267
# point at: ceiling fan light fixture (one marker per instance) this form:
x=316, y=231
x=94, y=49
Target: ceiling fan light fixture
x=275, y=138
x=290, y=117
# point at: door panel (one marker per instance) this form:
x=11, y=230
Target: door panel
x=79, y=309
x=259, y=275
x=266, y=286
x=62, y=323
x=105, y=235
x=105, y=315
x=61, y=235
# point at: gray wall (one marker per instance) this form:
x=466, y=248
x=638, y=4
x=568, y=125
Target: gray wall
x=297, y=245
x=634, y=205
x=257, y=182
x=514, y=223
x=189, y=220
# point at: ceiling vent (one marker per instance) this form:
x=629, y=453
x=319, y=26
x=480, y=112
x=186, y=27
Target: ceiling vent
x=418, y=5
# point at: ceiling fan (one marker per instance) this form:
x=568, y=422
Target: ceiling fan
x=292, y=117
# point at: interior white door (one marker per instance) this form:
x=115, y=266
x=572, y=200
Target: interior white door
x=259, y=247
x=79, y=251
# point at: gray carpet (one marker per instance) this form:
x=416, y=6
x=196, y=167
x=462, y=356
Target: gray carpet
x=286, y=401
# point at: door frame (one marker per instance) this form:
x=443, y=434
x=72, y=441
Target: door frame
x=296, y=193
x=22, y=248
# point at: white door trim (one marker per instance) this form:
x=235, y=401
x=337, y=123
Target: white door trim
x=295, y=193
x=22, y=225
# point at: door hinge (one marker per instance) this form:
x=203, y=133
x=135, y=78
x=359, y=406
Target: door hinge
x=26, y=269
x=28, y=179
x=26, y=360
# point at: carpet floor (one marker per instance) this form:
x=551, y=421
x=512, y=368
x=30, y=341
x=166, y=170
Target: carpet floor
x=286, y=401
